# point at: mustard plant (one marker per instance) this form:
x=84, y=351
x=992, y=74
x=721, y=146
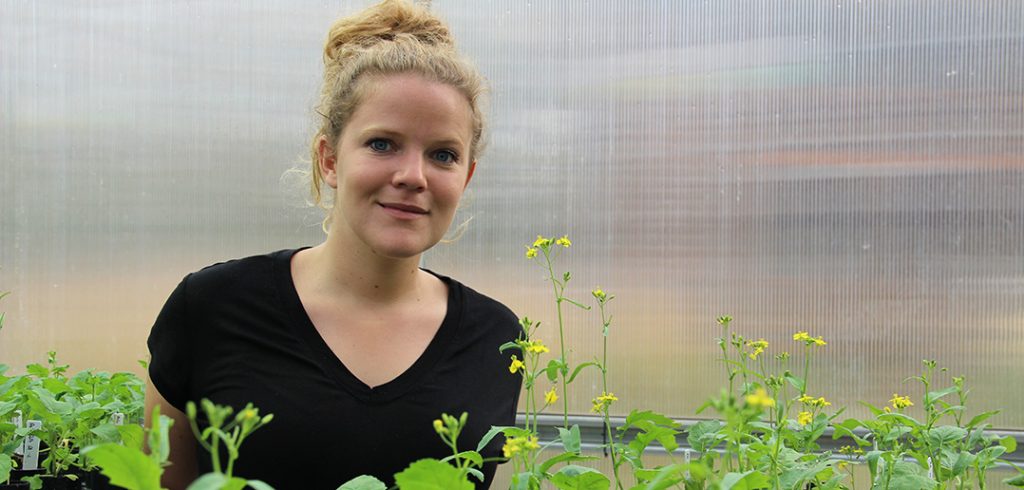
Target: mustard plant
x=231, y=432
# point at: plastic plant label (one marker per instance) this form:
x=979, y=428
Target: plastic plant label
x=117, y=418
x=16, y=420
x=30, y=461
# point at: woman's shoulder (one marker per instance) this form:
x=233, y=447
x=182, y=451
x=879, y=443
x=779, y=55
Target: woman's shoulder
x=478, y=306
x=248, y=271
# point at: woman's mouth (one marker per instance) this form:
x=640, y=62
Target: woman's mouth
x=403, y=210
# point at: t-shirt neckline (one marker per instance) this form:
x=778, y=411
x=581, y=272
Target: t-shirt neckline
x=335, y=368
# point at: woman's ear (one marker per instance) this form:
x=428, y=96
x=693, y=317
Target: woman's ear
x=472, y=168
x=328, y=162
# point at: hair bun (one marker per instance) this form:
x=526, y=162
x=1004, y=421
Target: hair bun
x=386, y=21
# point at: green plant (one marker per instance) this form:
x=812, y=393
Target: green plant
x=227, y=432
x=907, y=451
x=126, y=463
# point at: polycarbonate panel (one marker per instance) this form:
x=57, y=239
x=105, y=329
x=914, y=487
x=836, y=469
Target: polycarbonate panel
x=853, y=169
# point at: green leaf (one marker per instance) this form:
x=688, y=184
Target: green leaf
x=431, y=474
x=509, y=345
x=131, y=435
x=521, y=481
x=159, y=438
x=561, y=458
x=670, y=475
x=933, y=396
x=570, y=438
x=579, y=368
x=5, y=467
x=872, y=459
x=126, y=467
x=209, y=481
x=55, y=386
x=986, y=458
x=981, y=417
x=572, y=477
x=749, y=480
x=942, y=435
x=258, y=485
x=106, y=432
x=1016, y=481
x=797, y=383
x=37, y=370
x=636, y=418
x=364, y=482
x=905, y=419
x=701, y=436
x=496, y=430
x=554, y=366
x=219, y=481
x=909, y=475
x=1010, y=443
x=473, y=457
x=234, y=483
x=963, y=461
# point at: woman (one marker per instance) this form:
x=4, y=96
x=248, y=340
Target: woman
x=352, y=347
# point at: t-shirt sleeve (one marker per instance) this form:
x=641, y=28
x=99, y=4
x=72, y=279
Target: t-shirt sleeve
x=170, y=348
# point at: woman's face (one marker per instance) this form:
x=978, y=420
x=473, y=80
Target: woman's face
x=400, y=166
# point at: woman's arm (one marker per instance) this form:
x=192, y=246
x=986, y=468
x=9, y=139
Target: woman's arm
x=183, y=470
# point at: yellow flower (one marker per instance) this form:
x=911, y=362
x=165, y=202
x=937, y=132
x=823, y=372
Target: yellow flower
x=439, y=427
x=804, y=418
x=541, y=242
x=599, y=294
x=516, y=365
x=531, y=252
x=900, y=402
x=602, y=402
x=536, y=347
x=516, y=444
x=510, y=448
x=759, y=346
x=819, y=402
x=564, y=241
x=760, y=399
x=850, y=450
x=550, y=397
x=808, y=340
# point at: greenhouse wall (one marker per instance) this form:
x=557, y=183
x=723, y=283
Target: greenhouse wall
x=849, y=169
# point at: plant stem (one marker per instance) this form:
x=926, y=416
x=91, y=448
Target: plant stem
x=559, y=288
x=807, y=368
x=604, y=388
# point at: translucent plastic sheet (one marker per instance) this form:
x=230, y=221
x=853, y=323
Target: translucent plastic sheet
x=852, y=169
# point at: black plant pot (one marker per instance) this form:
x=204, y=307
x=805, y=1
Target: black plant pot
x=61, y=483
x=16, y=476
x=94, y=480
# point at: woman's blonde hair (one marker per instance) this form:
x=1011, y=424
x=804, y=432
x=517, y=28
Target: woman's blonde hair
x=391, y=37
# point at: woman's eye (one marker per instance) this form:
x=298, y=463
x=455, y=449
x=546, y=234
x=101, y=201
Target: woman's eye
x=380, y=145
x=447, y=157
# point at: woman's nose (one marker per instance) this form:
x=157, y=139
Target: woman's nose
x=410, y=172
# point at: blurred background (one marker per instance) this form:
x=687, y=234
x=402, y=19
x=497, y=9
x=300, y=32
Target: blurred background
x=850, y=169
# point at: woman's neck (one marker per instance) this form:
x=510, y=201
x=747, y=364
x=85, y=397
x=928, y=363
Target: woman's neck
x=356, y=272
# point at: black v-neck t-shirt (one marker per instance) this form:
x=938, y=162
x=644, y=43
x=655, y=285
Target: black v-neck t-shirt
x=236, y=332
